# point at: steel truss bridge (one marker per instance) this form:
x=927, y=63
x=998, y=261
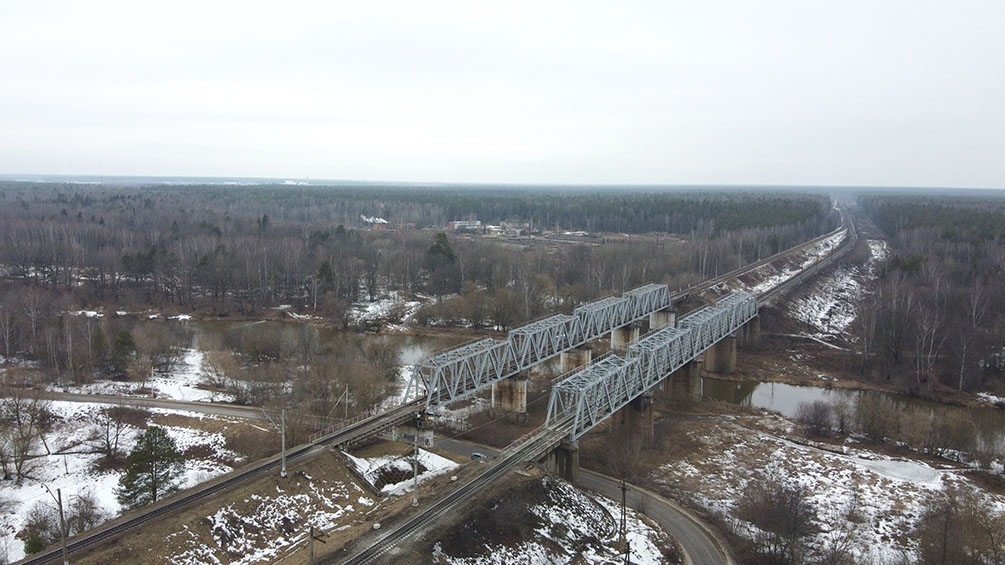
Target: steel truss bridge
x=465, y=370
x=595, y=392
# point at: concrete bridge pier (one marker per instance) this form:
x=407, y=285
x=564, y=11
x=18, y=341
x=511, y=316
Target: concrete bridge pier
x=721, y=357
x=574, y=358
x=750, y=333
x=639, y=418
x=509, y=397
x=624, y=336
x=684, y=383
x=661, y=319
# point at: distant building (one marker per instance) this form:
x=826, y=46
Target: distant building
x=515, y=228
x=374, y=221
x=465, y=225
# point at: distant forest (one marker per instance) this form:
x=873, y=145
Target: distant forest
x=254, y=246
x=938, y=315
x=237, y=250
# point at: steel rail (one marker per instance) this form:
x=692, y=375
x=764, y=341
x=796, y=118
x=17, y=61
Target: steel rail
x=528, y=451
x=369, y=426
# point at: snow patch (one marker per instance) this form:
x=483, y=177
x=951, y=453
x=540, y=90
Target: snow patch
x=832, y=306
x=70, y=466
x=373, y=467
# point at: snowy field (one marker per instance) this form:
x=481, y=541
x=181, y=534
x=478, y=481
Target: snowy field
x=184, y=383
x=833, y=305
x=72, y=467
x=864, y=499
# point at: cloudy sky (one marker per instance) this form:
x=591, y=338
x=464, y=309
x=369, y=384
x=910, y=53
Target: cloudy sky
x=740, y=92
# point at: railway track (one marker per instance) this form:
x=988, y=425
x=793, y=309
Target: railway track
x=846, y=224
x=528, y=451
x=549, y=437
x=770, y=296
x=364, y=428
x=407, y=412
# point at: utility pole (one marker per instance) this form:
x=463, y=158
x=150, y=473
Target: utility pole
x=282, y=430
x=282, y=473
x=624, y=521
x=311, y=544
x=62, y=520
x=415, y=469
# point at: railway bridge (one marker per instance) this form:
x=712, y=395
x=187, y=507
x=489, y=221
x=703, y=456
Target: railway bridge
x=665, y=358
x=660, y=360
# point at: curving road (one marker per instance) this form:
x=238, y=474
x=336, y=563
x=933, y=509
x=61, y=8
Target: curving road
x=700, y=544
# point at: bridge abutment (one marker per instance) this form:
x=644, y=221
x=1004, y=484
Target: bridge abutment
x=574, y=358
x=721, y=357
x=409, y=434
x=509, y=397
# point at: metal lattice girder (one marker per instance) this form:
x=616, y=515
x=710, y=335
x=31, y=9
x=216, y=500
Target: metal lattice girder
x=595, y=393
x=647, y=299
x=455, y=373
x=742, y=307
x=464, y=370
x=601, y=316
x=540, y=340
x=599, y=390
x=701, y=324
x=663, y=352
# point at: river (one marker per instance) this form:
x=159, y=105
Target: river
x=785, y=398
x=209, y=334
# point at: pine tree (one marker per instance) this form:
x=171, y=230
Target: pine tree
x=151, y=469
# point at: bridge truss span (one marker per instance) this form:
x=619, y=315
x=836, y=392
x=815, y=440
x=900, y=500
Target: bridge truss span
x=593, y=393
x=462, y=371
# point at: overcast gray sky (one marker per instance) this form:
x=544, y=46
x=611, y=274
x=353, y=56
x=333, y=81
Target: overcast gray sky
x=760, y=92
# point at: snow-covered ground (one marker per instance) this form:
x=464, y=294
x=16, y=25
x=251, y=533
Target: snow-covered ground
x=183, y=383
x=390, y=307
x=991, y=399
x=261, y=528
x=572, y=528
x=869, y=498
x=770, y=276
x=373, y=467
x=148, y=315
x=71, y=467
x=833, y=305
x=393, y=303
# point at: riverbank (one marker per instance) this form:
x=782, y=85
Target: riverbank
x=787, y=359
